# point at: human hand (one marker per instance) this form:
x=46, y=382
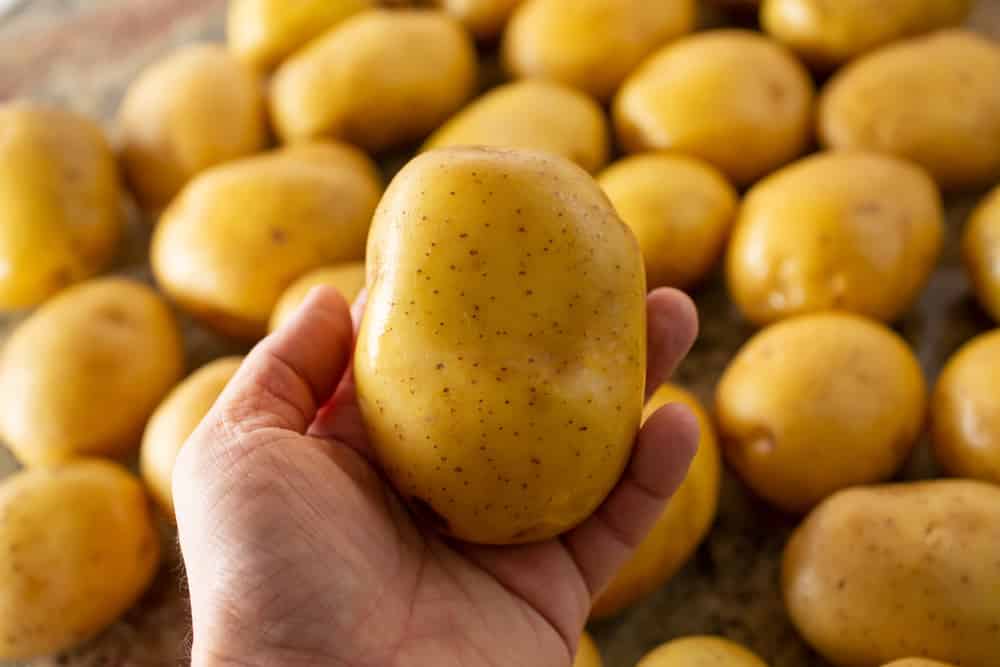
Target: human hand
x=299, y=554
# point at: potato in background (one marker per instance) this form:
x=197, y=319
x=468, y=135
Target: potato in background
x=981, y=251
x=347, y=278
x=701, y=651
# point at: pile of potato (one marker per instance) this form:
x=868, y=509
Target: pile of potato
x=261, y=161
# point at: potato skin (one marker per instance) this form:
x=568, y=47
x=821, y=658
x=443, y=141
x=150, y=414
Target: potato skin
x=879, y=573
x=418, y=67
x=79, y=547
x=679, y=207
x=932, y=100
x=760, y=95
x=82, y=374
x=682, y=525
x=556, y=39
x=875, y=230
x=347, y=278
x=61, y=218
x=500, y=364
x=981, y=251
x=537, y=115
x=698, y=651
x=587, y=654
x=819, y=402
x=483, y=18
x=169, y=120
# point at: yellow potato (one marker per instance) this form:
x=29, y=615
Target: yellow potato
x=195, y=109
x=532, y=114
x=79, y=547
x=847, y=230
x=174, y=420
x=262, y=33
x=879, y=573
x=587, y=654
x=827, y=34
x=484, y=18
x=932, y=100
x=981, y=249
x=61, y=215
x=501, y=359
x=817, y=403
x=240, y=234
x=731, y=97
x=917, y=662
x=591, y=44
x=347, y=278
x=701, y=652
x=84, y=372
x=379, y=79
x=683, y=524
x=680, y=208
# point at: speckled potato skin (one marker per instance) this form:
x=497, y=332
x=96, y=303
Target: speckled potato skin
x=61, y=217
x=537, y=115
x=876, y=574
x=844, y=229
x=81, y=375
x=500, y=364
x=347, y=278
x=557, y=39
x=79, y=547
x=587, y=654
x=679, y=207
x=981, y=251
x=760, y=97
x=240, y=234
x=483, y=18
x=917, y=662
x=174, y=420
x=169, y=121
x=417, y=68
x=682, y=525
x=827, y=34
x=701, y=652
x=932, y=100
x=817, y=403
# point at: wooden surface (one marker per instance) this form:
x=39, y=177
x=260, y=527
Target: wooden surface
x=82, y=53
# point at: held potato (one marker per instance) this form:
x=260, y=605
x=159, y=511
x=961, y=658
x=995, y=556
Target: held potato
x=501, y=359
x=532, y=114
x=701, y=652
x=79, y=547
x=587, y=654
x=680, y=208
x=731, y=97
x=379, y=79
x=591, y=45
x=240, y=234
x=819, y=402
x=174, y=420
x=683, y=524
x=847, y=230
x=348, y=278
x=61, y=217
x=981, y=250
x=880, y=573
x=932, y=100
x=195, y=109
x=84, y=372
x=484, y=18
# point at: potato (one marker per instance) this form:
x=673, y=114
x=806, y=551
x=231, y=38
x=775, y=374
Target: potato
x=379, y=79
x=262, y=33
x=932, y=100
x=79, y=548
x=817, y=403
x=587, y=654
x=683, y=524
x=240, y=234
x=828, y=34
x=876, y=574
x=848, y=230
x=174, y=421
x=170, y=123
x=84, y=372
x=731, y=97
x=348, y=278
x=61, y=218
x=483, y=18
x=679, y=207
x=591, y=44
x=981, y=249
x=501, y=359
x=917, y=662
x=532, y=114
x=701, y=652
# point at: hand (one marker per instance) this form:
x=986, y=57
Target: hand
x=299, y=554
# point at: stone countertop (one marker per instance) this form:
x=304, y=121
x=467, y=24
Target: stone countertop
x=82, y=54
